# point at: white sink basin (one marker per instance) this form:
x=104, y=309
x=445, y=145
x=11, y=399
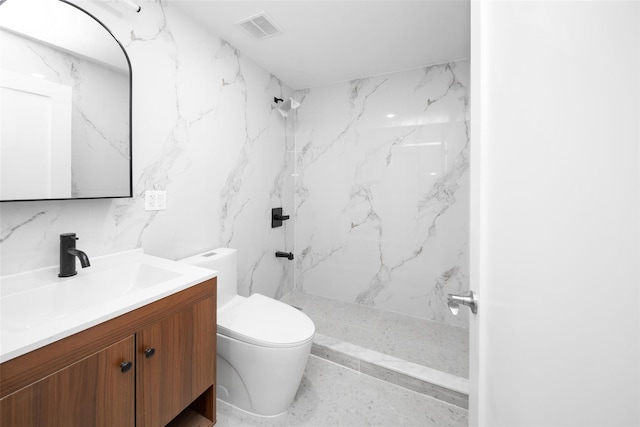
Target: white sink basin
x=22, y=310
x=37, y=307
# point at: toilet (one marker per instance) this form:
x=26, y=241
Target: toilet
x=262, y=345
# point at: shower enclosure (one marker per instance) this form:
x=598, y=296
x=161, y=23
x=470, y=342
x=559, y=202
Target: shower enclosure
x=381, y=212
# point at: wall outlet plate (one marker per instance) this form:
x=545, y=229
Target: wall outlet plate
x=155, y=200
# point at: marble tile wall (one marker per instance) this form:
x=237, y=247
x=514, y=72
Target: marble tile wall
x=382, y=191
x=205, y=131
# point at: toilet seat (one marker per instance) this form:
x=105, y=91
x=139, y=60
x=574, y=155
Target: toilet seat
x=265, y=322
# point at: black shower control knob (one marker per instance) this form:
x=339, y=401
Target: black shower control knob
x=277, y=217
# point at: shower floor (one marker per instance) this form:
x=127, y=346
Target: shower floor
x=423, y=355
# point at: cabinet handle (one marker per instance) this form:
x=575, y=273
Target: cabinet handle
x=148, y=353
x=126, y=366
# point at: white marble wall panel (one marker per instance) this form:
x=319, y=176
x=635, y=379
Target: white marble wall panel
x=204, y=130
x=381, y=196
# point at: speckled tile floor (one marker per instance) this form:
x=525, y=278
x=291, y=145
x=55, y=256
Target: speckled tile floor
x=332, y=395
x=427, y=343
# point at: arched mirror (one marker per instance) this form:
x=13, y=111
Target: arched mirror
x=65, y=104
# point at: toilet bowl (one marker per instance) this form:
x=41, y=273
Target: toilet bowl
x=262, y=344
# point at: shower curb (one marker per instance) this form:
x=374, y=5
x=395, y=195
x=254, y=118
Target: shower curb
x=440, y=385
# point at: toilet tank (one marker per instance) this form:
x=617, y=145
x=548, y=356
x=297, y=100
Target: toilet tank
x=225, y=262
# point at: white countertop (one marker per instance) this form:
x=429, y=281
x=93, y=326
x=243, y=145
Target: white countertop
x=38, y=308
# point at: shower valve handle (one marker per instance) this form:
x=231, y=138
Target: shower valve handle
x=277, y=217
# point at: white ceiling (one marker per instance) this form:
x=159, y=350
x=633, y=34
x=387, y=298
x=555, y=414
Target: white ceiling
x=327, y=41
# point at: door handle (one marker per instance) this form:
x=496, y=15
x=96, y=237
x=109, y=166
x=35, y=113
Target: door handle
x=455, y=301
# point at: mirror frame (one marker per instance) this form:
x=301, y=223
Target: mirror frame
x=130, y=195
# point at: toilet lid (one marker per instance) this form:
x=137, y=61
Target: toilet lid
x=266, y=322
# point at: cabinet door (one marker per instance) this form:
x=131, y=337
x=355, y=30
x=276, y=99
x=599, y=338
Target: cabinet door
x=91, y=392
x=176, y=358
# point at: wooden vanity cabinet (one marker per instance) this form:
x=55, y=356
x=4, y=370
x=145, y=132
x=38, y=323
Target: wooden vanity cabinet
x=153, y=366
x=93, y=391
x=176, y=358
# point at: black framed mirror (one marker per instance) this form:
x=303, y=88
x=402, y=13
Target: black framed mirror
x=65, y=104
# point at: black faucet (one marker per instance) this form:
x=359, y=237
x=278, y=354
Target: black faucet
x=287, y=255
x=68, y=254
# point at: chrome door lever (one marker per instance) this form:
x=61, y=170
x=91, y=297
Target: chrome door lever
x=455, y=301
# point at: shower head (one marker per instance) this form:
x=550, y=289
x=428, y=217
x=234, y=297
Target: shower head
x=285, y=106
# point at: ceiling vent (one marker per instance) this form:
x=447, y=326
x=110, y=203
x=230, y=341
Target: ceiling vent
x=259, y=26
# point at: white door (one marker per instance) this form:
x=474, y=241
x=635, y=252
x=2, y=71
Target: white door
x=556, y=213
x=35, y=138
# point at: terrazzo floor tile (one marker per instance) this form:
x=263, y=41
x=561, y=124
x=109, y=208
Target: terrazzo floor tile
x=437, y=345
x=331, y=395
x=341, y=330
x=296, y=299
x=356, y=315
x=433, y=344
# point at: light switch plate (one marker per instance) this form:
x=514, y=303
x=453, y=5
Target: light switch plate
x=155, y=200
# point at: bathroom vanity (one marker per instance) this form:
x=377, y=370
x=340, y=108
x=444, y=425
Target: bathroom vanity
x=153, y=365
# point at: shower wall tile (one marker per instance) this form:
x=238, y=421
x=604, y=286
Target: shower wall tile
x=204, y=130
x=381, y=193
